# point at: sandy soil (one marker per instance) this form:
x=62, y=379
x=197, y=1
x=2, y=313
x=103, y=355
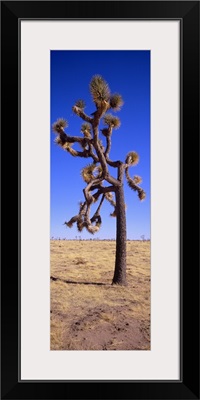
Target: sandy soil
x=87, y=312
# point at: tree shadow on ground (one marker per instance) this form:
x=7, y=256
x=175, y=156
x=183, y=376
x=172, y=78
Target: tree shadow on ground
x=53, y=278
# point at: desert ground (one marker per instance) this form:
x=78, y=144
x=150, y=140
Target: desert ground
x=87, y=311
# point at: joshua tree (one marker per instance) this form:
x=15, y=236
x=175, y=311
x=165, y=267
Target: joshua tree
x=100, y=184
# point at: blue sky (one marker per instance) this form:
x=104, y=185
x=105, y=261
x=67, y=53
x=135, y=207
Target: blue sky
x=127, y=73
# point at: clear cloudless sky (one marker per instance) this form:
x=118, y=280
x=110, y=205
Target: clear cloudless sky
x=127, y=73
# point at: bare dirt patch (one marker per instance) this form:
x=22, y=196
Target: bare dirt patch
x=87, y=312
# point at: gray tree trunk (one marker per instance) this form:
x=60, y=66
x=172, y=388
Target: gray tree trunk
x=120, y=260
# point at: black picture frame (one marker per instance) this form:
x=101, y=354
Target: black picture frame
x=188, y=386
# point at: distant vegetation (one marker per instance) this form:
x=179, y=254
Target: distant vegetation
x=97, y=239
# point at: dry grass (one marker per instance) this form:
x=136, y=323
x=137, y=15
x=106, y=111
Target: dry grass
x=87, y=312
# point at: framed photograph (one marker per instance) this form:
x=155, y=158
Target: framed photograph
x=77, y=284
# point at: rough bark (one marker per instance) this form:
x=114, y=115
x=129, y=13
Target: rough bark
x=120, y=260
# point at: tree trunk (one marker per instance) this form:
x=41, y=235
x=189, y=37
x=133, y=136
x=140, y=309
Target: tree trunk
x=120, y=260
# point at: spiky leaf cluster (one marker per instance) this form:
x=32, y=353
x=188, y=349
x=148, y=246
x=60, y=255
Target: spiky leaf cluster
x=99, y=89
x=113, y=214
x=92, y=229
x=59, y=125
x=83, y=221
x=88, y=225
x=132, y=184
x=137, y=179
x=66, y=146
x=91, y=172
x=132, y=158
x=116, y=102
x=80, y=104
x=112, y=121
x=58, y=141
x=97, y=219
x=77, y=110
x=86, y=130
x=109, y=197
x=71, y=221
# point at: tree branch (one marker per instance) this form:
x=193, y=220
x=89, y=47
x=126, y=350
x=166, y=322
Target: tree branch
x=76, y=153
x=110, y=179
x=83, y=218
x=88, y=196
x=99, y=152
x=63, y=138
x=108, y=146
x=73, y=139
x=96, y=217
x=104, y=189
x=94, y=187
x=90, y=152
x=78, y=111
x=100, y=204
x=114, y=164
x=134, y=186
